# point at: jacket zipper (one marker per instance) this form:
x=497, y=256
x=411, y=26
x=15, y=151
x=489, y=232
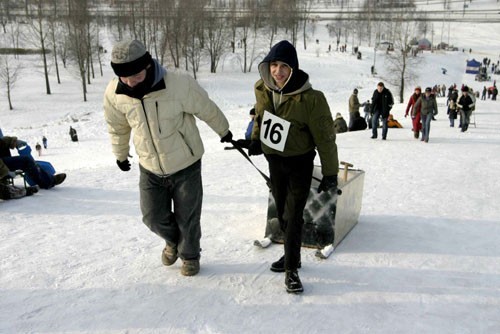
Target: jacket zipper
x=151, y=135
x=158, y=116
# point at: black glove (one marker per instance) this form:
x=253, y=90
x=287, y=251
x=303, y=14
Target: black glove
x=20, y=143
x=124, y=165
x=328, y=183
x=254, y=148
x=227, y=138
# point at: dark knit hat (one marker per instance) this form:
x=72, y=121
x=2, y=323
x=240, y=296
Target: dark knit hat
x=283, y=51
x=252, y=111
x=129, y=58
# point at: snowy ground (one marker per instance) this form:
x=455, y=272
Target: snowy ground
x=424, y=257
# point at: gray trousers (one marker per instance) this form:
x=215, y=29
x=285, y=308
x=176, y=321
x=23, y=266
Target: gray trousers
x=171, y=208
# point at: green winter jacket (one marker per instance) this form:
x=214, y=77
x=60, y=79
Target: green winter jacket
x=311, y=123
x=428, y=106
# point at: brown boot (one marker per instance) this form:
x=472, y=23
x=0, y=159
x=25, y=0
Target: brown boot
x=190, y=267
x=169, y=255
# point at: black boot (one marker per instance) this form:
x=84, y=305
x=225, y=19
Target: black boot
x=292, y=282
x=31, y=190
x=279, y=266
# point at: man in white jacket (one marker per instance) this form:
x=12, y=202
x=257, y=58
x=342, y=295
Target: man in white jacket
x=159, y=108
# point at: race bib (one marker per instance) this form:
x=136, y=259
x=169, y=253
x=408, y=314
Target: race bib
x=274, y=131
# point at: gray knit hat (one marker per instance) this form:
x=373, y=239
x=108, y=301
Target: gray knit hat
x=129, y=57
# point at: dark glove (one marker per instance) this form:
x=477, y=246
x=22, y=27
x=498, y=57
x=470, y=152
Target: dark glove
x=20, y=143
x=254, y=148
x=124, y=165
x=328, y=183
x=227, y=138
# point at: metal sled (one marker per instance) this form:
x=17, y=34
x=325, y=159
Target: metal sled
x=328, y=217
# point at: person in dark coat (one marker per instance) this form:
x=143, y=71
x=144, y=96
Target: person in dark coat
x=73, y=134
x=452, y=112
x=428, y=108
x=358, y=123
x=465, y=105
x=292, y=121
x=367, y=109
x=353, y=106
x=382, y=102
x=340, y=124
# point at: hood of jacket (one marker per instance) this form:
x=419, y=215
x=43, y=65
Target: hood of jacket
x=297, y=82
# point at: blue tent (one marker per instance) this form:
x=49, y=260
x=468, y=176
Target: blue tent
x=472, y=66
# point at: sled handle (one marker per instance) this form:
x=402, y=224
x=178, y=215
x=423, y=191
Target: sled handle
x=346, y=169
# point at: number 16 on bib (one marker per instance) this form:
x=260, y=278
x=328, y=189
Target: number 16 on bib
x=274, y=131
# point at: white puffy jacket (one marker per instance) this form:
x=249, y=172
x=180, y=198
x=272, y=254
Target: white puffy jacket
x=166, y=137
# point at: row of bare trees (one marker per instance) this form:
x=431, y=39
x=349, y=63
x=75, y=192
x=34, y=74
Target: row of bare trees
x=184, y=34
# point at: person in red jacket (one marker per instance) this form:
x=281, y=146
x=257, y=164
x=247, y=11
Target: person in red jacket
x=415, y=111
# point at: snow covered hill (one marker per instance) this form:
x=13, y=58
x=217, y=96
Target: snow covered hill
x=424, y=257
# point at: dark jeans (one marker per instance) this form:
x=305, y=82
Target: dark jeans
x=26, y=163
x=171, y=208
x=290, y=184
x=426, y=126
x=465, y=119
x=375, y=118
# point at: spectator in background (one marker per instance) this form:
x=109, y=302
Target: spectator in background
x=414, y=112
x=393, y=123
x=245, y=143
x=465, y=105
x=382, y=102
x=367, y=109
x=73, y=134
x=25, y=163
x=339, y=124
x=353, y=107
x=358, y=123
x=428, y=108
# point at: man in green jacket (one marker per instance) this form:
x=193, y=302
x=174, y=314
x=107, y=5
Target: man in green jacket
x=159, y=108
x=292, y=121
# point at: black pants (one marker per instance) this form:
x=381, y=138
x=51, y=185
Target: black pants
x=290, y=186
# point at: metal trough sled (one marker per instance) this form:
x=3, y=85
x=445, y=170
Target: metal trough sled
x=328, y=217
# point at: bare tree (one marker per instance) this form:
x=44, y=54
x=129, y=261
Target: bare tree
x=54, y=37
x=215, y=37
x=335, y=30
x=39, y=33
x=5, y=17
x=78, y=18
x=304, y=9
x=16, y=35
x=402, y=65
x=9, y=70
